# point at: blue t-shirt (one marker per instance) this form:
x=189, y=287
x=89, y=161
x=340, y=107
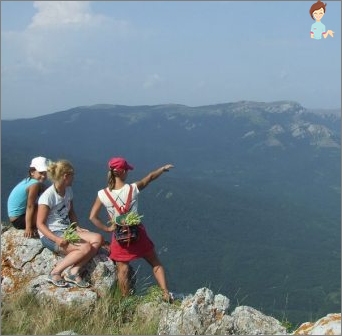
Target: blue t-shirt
x=318, y=28
x=17, y=200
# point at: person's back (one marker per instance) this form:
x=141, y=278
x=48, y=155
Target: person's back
x=122, y=252
x=120, y=195
x=22, y=201
x=16, y=203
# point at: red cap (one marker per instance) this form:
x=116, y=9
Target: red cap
x=119, y=163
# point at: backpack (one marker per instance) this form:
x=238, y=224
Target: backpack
x=123, y=233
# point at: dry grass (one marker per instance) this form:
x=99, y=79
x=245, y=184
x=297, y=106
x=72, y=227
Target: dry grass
x=23, y=314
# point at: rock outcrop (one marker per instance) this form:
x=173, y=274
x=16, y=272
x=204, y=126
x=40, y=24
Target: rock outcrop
x=207, y=314
x=26, y=264
x=328, y=325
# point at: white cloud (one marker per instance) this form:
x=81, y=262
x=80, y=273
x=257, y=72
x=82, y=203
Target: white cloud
x=152, y=81
x=59, y=13
x=61, y=35
x=66, y=48
x=75, y=16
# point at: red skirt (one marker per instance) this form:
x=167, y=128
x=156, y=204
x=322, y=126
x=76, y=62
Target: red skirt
x=134, y=250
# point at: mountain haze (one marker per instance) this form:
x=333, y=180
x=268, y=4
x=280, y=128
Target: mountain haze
x=251, y=209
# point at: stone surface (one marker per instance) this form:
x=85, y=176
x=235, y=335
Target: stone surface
x=205, y=314
x=249, y=321
x=26, y=265
x=327, y=325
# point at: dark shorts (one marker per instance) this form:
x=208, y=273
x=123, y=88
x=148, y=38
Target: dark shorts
x=51, y=245
x=20, y=222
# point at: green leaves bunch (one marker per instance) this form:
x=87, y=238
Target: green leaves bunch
x=70, y=234
x=132, y=218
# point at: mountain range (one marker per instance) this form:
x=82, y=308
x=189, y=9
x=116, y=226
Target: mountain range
x=251, y=209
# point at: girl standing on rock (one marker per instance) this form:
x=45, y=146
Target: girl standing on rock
x=122, y=254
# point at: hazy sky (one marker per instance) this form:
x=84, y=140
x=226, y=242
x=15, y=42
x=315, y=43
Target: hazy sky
x=62, y=54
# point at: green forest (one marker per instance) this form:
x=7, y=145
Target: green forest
x=251, y=214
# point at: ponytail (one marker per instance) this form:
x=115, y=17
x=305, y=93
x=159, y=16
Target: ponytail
x=111, y=180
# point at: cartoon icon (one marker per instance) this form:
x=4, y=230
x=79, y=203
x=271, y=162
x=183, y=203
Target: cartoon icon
x=318, y=30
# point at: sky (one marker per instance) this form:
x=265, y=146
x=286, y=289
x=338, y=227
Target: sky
x=57, y=55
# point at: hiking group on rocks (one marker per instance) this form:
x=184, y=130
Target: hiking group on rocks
x=48, y=212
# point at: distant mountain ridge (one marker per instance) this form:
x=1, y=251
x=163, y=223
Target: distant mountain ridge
x=258, y=183
x=193, y=136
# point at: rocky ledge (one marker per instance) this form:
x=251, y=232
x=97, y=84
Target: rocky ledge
x=26, y=264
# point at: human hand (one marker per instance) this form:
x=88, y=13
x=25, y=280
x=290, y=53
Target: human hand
x=167, y=167
x=79, y=229
x=63, y=243
x=29, y=233
x=331, y=33
x=327, y=33
x=111, y=228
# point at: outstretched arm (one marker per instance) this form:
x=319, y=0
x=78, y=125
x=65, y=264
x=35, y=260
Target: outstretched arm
x=328, y=32
x=152, y=176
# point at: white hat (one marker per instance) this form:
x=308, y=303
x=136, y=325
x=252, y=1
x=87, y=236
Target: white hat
x=39, y=163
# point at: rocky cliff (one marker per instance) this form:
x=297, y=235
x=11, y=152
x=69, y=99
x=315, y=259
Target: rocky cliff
x=26, y=263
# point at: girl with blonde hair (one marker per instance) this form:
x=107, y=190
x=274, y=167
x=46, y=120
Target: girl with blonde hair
x=55, y=213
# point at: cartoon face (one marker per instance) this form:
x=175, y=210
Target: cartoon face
x=318, y=14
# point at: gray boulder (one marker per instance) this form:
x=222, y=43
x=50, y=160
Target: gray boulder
x=249, y=321
x=207, y=314
x=26, y=265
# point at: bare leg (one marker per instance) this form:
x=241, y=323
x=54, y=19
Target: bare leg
x=123, y=277
x=159, y=273
x=78, y=255
x=75, y=254
x=95, y=240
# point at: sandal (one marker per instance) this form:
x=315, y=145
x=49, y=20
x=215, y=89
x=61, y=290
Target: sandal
x=72, y=278
x=59, y=283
